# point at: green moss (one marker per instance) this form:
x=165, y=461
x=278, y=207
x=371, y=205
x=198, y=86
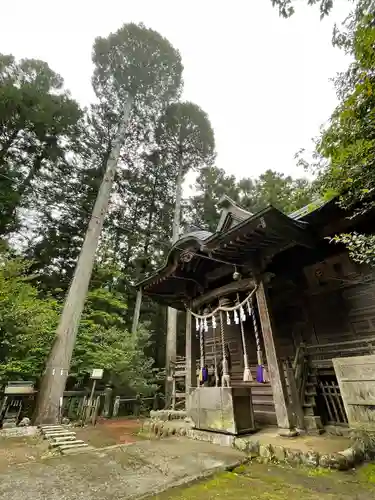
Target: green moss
x=241, y=469
x=317, y=472
x=271, y=482
x=367, y=473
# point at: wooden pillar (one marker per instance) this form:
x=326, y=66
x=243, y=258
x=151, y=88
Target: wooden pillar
x=277, y=379
x=191, y=357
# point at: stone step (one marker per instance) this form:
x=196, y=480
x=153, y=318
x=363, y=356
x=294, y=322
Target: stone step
x=58, y=434
x=58, y=439
x=75, y=451
x=72, y=445
x=51, y=429
x=60, y=444
x=51, y=426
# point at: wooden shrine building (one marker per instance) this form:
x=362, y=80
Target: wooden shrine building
x=269, y=302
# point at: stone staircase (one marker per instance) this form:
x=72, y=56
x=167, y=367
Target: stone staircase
x=63, y=439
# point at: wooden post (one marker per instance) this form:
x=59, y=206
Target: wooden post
x=137, y=310
x=277, y=379
x=296, y=402
x=191, y=361
x=107, y=401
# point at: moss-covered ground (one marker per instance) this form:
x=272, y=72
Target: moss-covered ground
x=272, y=482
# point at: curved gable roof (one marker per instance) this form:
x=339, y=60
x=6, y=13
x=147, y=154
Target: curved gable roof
x=189, y=241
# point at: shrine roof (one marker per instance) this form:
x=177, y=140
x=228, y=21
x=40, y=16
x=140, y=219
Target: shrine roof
x=240, y=236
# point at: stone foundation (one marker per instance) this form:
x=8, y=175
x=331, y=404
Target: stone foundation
x=165, y=415
x=19, y=432
x=261, y=451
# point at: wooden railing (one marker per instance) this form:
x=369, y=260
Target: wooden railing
x=321, y=355
x=125, y=406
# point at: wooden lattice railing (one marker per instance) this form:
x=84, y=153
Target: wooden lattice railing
x=320, y=355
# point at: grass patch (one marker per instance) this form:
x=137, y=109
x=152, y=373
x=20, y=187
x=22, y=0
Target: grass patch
x=317, y=472
x=274, y=482
x=366, y=473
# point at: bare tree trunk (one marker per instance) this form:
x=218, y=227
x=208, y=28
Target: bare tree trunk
x=171, y=343
x=58, y=363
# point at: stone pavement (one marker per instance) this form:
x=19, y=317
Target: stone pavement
x=121, y=472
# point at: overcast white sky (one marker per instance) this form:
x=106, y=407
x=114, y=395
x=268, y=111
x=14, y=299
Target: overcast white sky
x=263, y=80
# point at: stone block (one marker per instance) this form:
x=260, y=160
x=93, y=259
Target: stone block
x=279, y=453
x=293, y=457
x=58, y=444
x=164, y=432
x=350, y=456
x=241, y=444
x=25, y=422
x=359, y=454
x=334, y=461
x=310, y=459
x=253, y=448
x=265, y=452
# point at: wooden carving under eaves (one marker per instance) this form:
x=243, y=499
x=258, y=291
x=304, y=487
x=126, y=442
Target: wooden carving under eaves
x=231, y=214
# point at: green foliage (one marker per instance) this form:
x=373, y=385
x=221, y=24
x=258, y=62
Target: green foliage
x=136, y=61
x=27, y=328
x=39, y=124
x=286, y=7
x=52, y=158
x=27, y=322
x=361, y=246
x=184, y=134
x=345, y=151
x=270, y=188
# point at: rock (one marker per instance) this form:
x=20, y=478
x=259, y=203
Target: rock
x=241, y=444
x=165, y=432
x=311, y=459
x=350, y=457
x=157, y=427
x=334, y=461
x=25, y=422
x=65, y=421
x=340, y=462
x=358, y=453
x=326, y=461
x=253, y=448
x=265, y=452
x=293, y=457
x=279, y=453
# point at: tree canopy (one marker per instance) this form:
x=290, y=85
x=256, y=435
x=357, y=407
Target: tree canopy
x=52, y=158
x=287, y=7
x=345, y=150
x=270, y=188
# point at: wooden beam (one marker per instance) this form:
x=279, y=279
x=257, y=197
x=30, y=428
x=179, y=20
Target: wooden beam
x=191, y=356
x=235, y=286
x=277, y=379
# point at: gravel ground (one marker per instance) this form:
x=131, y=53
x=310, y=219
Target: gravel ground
x=124, y=472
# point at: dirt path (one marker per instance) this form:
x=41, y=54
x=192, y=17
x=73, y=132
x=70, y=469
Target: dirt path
x=123, y=472
x=110, y=432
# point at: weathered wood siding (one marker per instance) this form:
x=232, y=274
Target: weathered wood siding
x=335, y=303
x=356, y=377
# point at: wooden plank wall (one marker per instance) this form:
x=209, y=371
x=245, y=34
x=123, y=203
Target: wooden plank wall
x=337, y=307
